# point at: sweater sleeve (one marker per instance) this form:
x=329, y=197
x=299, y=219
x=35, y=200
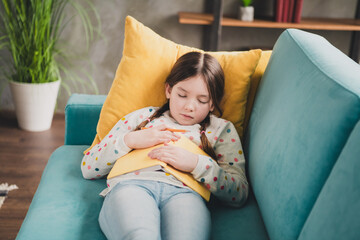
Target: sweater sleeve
x=225, y=178
x=99, y=160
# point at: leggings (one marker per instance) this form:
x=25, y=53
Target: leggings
x=143, y=209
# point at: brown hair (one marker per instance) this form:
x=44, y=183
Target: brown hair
x=189, y=65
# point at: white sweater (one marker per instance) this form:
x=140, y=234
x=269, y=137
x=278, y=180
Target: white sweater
x=225, y=178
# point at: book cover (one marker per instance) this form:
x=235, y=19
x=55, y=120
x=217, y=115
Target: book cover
x=285, y=11
x=297, y=11
x=139, y=159
x=291, y=10
x=278, y=10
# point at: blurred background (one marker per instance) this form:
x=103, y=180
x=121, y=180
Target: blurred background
x=102, y=57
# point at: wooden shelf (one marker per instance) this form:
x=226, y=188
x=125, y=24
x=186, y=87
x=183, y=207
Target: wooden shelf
x=306, y=23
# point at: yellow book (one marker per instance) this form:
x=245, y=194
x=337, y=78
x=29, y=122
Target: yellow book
x=139, y=159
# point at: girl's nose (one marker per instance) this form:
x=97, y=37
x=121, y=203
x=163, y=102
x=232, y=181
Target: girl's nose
x=190, y=105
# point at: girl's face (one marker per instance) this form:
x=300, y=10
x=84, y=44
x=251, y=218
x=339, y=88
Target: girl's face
x=190, y=101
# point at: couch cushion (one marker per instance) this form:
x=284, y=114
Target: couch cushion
x=306, y=106
x=237, y=223
x=65, y=205
x=82, y=114
x=337, y=210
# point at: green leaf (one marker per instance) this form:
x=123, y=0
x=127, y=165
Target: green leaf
x=246, y=3
x=30, y=33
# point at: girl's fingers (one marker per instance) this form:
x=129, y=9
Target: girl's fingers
x=169, y=137
x=164, y=127
x=161, y=127
x=167, y=160
x=156, y=151
x=176, y=135
x=165, y=157
x=159, y=152
x=164, y=140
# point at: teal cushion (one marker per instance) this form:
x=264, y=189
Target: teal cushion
x=306, y=106
x=82, y=115
x=65, y=205
x=237, y=223
x=336, y=214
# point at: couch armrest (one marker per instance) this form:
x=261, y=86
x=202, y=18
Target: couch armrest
x=81, y=117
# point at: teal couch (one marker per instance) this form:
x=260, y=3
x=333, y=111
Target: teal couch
x=302, y=147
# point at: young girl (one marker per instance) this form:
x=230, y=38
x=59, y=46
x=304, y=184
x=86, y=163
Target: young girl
x=151, y=203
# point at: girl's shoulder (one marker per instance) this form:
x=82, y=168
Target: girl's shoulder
x=216, y=121
x=146, y=111
x=219, y=125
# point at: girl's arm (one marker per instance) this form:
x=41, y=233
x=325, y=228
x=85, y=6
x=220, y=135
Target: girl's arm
x=226, y=178
x=120, y=140
x=98, y=162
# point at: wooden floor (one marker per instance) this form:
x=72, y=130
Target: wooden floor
x=23, y=156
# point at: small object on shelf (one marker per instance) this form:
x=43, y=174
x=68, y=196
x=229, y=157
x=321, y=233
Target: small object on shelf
x=246, y=12
x=338, y=24
x=288, y=11
x=291, y=11
x=333, y=24
x=297, y=11
x=285, y=11
x=279, y=4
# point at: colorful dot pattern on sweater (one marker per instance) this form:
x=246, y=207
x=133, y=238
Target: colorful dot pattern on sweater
x=224, y=176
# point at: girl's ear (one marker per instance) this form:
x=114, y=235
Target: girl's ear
x=167, y=90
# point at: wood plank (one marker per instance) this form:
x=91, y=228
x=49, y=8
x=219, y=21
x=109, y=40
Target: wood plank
x=23, y=157
x=306, y=23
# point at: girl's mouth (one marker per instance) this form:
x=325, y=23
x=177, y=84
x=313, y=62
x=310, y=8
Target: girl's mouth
x=186, y=116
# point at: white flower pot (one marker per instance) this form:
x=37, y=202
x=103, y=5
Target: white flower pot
x=246, y=13
x=35, y=104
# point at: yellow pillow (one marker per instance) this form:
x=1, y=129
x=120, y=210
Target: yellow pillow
x=254, y=83
x=147, y=60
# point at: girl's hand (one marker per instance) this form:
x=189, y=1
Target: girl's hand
x=179, y=158
x=149, y=137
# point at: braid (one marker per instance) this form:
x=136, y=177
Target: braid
x=156, y=114
x=204, y=140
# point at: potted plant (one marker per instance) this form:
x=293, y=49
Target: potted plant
x=33, y=59
x=246, y=11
